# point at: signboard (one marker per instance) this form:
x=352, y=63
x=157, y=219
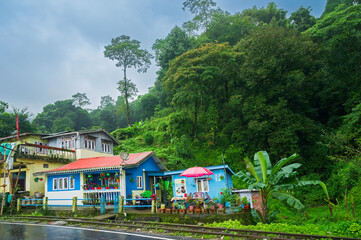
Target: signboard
x=180, y=187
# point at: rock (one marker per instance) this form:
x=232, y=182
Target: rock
x=200, y=224
x=59, y=223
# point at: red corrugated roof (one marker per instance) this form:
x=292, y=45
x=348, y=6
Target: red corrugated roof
x=103, y=162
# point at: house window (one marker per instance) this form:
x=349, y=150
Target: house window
x=89, y=144
x=68, y=143
x=139, y=181
x=55, y=184
x=45, y=165
x=202, y=185
x=105, y=147
x=71, y=183
x=63, y=183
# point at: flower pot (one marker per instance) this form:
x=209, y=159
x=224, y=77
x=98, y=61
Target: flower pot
x=168, y=211
x=161, y=210
x=205, y=210
x=197, y=211
x=182, y=211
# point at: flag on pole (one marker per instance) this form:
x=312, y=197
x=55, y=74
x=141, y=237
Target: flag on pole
x=17, y=126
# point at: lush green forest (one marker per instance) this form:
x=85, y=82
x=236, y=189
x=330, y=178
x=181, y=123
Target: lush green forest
x=234, y=84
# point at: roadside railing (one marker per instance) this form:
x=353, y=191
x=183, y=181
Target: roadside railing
x=118, y=203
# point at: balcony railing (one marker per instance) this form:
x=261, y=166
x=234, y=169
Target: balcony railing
x=41, y=152
x=108, y=194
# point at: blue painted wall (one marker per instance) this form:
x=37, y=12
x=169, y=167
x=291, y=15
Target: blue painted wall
x=215, y=184
x=76, y=177
x=132, y=173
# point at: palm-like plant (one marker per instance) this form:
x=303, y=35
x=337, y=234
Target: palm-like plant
x=273, y=181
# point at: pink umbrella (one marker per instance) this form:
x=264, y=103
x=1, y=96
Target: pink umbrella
x=196, y=172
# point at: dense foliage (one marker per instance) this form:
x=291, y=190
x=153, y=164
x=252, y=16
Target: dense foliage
x=249, y=81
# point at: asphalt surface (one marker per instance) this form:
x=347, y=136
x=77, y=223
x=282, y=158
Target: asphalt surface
x=28, y=231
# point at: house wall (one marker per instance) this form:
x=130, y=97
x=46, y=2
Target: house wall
x=85, y=153
x=216, y=184
x=65, y=194
x=32, y=167
x=132, y=173
x=98, y=141
x=57, y=141
x=79, y=144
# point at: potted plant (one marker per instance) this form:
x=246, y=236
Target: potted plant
x=205, y=208
x=175, y=207
x=182, y=208
x=245, y=204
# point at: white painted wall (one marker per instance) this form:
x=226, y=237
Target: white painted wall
x=64, y=195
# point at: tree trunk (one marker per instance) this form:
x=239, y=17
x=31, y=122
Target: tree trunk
x=353, y=207
x=330, y=208
x=264, y=206
x=126, y=96
x=346, y=204
x=195, y=120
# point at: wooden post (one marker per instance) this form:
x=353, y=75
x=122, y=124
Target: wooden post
x=74, y=205
x=45, y=203
x=153, y=206
x=3, y=201
x=121, y=203
x=18, y=206
x=17, y=178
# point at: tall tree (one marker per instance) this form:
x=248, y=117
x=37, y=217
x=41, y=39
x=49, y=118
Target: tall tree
x=281, y=73
x=200, y=74
x=127, y=54
x=340, y=33
x=266, y=15
x=80, y=100
x=105, y=101
x=202, y=10
x=302, y=19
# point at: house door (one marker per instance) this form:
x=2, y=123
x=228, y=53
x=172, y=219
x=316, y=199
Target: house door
x=22, y=179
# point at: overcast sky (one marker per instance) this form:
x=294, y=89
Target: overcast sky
x=52, y=49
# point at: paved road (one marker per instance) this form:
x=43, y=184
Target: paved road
x=27, y=231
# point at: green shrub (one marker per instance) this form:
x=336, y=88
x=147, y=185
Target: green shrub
x=148, y=138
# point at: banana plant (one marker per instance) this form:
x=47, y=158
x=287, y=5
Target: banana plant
x=273, y=181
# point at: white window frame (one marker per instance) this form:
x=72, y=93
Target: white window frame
x=89, y=144
x=55, y=184
x=62, y=182
x=139, y=181
x=203, y=181
x=71, y=182
x=105, y=147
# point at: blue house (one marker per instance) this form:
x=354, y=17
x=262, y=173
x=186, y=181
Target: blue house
x=104, y=176
x=212, y=185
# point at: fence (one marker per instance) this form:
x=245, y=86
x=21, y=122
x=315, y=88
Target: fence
x=99, y=200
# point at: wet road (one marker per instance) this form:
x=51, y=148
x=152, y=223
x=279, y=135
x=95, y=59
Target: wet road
x=26, y=231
